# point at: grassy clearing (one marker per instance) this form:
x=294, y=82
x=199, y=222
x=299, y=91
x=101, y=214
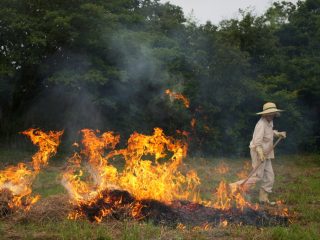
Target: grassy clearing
x=297, y=183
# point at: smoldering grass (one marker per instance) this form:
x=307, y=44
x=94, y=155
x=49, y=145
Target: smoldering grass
x=297, y=183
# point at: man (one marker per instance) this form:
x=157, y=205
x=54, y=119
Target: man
x=261, y=150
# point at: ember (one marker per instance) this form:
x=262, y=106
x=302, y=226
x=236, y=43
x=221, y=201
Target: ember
x=193, y=123
x=222, y=168
x=245, y=171
x=120, y=205
x=178, y=96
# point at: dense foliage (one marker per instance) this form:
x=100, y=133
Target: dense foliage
x=106, y=65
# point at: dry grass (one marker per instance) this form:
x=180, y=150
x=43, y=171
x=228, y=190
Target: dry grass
x=297, y=183
x=52, y=209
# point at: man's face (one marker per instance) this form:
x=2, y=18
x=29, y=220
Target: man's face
x=269, y=117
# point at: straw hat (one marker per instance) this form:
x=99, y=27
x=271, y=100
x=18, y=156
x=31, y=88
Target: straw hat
x=269, y=108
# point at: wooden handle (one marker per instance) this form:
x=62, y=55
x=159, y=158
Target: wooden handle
x=255, y=169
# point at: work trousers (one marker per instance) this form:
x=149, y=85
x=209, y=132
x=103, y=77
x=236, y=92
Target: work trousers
x=264, y=173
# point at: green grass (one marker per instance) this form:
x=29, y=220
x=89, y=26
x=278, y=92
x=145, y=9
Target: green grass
x=48, y=183
x=297, y=183
x=63, y=230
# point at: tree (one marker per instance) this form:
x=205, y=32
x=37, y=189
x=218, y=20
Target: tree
x=106, y=64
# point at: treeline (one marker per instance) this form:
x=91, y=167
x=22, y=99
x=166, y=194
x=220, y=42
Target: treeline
x=106, y=65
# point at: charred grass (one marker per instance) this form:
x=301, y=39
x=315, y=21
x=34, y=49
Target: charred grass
x=297, y=184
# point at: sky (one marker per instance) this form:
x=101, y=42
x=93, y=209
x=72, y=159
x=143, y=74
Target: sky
x=217, y=10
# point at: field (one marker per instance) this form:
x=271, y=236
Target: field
x=297, y=184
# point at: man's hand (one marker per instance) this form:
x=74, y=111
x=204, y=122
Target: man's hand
x=260, y=153
x=280, y=134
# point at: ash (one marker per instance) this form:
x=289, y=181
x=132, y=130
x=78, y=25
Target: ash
x=121, y=204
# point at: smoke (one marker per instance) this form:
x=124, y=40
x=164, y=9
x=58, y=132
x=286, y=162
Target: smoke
x=141, y=76
x=76, y=92
x=138, y=94
x=64, y=99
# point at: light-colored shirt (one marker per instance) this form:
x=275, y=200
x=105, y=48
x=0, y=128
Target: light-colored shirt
x=263, y=136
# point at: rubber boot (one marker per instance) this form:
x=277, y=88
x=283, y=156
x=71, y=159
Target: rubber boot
x=263, y=198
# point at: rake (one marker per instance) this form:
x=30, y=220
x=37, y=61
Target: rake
x=257, y=167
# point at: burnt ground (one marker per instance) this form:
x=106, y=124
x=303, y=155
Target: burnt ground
x=179, y=212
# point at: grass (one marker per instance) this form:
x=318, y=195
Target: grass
x=297, y=183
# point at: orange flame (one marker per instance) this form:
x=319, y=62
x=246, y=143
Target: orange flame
x=193, y=123
x=224, y=223
x=281, y=209
x=222, y=168
x=178, y=96
x=203, y=227
x=18, y=179
x=150, y=171
x=245, y=171
x=224, y=199
x=181, y=226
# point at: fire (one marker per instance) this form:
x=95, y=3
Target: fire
x=181, y=226
x=98, y=187
x=222, y=168
x=151, y=169
x=281, y=210
x=224, y=199
x=224, y=223
x=17, y=180
x=144, y=179
x=193, y=123
x=245, y=171
x=48, y=144
x=205, y=227
x=183, y=133
x=206, y=128
x=178, y=96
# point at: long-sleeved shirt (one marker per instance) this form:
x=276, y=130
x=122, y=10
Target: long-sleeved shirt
x=263, y=136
